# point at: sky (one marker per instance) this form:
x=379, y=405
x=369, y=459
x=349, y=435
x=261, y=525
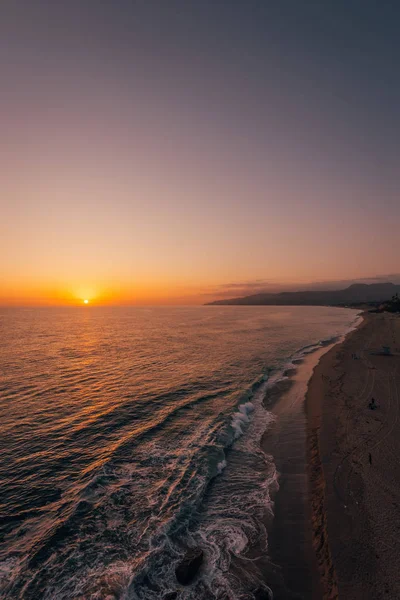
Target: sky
x=156, y=152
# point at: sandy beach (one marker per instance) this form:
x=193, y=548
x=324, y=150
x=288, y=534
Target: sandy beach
x=354, y=463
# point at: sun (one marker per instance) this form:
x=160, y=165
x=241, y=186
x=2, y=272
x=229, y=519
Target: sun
x=86, y=302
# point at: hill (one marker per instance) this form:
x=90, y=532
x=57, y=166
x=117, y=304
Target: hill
x=358, y=293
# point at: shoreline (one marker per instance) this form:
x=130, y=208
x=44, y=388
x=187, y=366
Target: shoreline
x=353, y=464
x=313, y=406
x=290, y=532
x=316, y=479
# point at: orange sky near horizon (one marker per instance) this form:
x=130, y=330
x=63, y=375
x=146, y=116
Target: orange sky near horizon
x=75, y=295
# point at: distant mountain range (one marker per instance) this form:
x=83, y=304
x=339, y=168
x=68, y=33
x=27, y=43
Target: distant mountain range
x=358, y=293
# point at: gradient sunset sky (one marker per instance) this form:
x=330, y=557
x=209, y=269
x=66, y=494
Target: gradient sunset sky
x=179, y=150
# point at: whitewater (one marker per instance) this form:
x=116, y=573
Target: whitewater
x=129, y=436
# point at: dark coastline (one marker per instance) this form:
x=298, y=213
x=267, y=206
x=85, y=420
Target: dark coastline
x=355, y=296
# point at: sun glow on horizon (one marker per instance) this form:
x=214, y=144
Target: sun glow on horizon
x=86, y=301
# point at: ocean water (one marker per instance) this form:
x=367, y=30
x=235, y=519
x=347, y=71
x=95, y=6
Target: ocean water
x=128, y=435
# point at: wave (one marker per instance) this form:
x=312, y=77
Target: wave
x=150, y=531
x=221, y=466
x=225, y=517
x=241, y=418
x=310, y=348
x=136, y=512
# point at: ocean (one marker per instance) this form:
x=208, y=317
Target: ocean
x=130, y=435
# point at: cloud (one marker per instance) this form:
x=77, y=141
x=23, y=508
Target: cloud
x=243, y=288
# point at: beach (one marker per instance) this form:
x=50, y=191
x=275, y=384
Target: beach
x=290, y=533
x=353, y=455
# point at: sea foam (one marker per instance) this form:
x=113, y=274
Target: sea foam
x=241, y=418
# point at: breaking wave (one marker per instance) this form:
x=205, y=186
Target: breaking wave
x=147, y=443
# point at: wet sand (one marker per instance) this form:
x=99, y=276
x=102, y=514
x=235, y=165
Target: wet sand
x=354, y=463
x=290, y=535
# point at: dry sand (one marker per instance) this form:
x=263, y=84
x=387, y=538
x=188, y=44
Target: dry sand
x=354, y=462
